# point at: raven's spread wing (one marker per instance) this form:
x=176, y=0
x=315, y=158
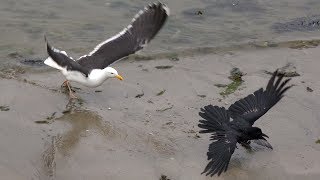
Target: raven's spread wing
x=257, y=104
x=59, y=60
x=216, y=120
x=144, y=26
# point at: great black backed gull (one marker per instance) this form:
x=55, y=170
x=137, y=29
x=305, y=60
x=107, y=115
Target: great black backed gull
x=93, y=69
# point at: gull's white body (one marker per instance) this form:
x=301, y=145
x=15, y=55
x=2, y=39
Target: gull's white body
x=94, y=79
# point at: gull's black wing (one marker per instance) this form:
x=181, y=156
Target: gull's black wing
x=59, y=60
x=144, y=26
x=252, y=107
x=216, y=121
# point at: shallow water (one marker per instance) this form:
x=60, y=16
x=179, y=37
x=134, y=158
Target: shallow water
x=78, y=25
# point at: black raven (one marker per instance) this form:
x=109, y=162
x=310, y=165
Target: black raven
x=235, y=125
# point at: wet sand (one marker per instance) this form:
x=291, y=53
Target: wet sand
x=115, y=135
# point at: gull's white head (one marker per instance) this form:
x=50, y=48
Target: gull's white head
x=112, y=73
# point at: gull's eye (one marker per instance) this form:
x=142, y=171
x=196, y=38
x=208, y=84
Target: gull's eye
x=111, y=73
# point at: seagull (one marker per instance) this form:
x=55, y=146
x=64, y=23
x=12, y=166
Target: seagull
x=93, y=69
x=235, y=124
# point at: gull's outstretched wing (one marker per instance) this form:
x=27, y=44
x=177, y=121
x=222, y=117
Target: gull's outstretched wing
x=252, y=107
x=144, y=26
x=60, y=60
x=224, y=139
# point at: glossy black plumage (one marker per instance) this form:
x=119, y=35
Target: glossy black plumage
x=234, y=125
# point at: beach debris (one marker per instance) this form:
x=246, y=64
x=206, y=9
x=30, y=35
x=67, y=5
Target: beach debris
x=164, y=109
x=190, y=131
x=236, y=77
x=66, y=111
x=11, y=72
x=194, y=12
x=42, y=122
x=199, y=12
x=33, y=62
x=196, y=136
x=164, y=177
x=109, y=108
x=264, y=44
x=4, y=108
x=304, y=44
x=164, y=67
x=161, y=93
x=53, y=115
x=236, y=74
x=202, y=95
x=289, y=70
x=77, y=88
x=309, y=89
x=220, y=85
x=48, y=119
x=231, y=88
x=139, y=95
x=97, y=91
x=309, y=23
x=235, y=3
x=173, y=57
x=318, y=141
x=73, y=105
x=149, y=101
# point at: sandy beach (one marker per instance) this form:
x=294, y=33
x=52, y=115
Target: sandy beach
x=146, y=126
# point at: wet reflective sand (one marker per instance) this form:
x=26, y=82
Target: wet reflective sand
x=114, y=134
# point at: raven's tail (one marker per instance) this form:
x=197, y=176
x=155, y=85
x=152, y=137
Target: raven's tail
x=214, y=119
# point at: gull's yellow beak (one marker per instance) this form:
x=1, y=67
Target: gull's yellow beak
x=119, y=77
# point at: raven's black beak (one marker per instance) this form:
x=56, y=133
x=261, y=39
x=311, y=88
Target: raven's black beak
x=264, y=135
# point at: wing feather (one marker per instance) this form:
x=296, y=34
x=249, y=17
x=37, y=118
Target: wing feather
x=144, y=26
x=257, y=104
x=216, y=121
x=59, y=59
